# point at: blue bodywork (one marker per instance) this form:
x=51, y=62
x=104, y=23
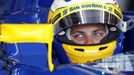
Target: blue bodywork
x=129, y=35
x=31, y=58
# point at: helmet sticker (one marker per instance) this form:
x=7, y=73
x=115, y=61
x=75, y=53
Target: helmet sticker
x=113, y=29
x=87, y=6
x=61, y=33
x=63, y=3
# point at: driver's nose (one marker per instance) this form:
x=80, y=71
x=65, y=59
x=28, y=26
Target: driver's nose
x=89, y=40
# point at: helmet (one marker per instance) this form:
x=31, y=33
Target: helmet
x=68, y=15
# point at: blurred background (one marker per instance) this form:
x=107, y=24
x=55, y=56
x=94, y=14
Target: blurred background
x=126, y=5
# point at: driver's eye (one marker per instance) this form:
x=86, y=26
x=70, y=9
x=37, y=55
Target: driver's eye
x=99, y=34
x=78, y=36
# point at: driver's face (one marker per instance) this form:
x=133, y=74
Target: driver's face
x=88, y=34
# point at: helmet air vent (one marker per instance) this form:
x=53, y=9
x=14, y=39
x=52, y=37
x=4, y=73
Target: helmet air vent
x=79, y=49
x=102, y=48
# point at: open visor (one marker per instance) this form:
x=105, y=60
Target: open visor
x=96, y=17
